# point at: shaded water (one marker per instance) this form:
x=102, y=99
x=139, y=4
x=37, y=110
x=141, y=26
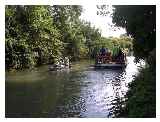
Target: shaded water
x=79, y=92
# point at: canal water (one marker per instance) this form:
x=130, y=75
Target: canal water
x=81, y=91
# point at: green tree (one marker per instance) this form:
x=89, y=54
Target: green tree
x=31, y=37
x=140, y=23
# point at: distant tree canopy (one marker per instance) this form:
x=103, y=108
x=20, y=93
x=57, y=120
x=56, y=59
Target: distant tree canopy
x=125, y=43
x=38, y=35
x=140, y=23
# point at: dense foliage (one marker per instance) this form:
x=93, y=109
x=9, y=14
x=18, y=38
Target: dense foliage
x=38, y=35
x=140, y=23
x=31, y=36
x=141, y=96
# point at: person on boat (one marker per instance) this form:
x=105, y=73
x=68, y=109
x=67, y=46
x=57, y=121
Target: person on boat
x=103, y=51
x=102, y=54
x=108, y=57
x=120, y=57
x=105, y=55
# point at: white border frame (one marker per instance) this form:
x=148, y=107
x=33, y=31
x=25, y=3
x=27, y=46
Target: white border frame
x=74, y=2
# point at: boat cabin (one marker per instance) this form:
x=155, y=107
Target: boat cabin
x=106, y=60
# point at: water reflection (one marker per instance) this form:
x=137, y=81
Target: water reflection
x=79, y=92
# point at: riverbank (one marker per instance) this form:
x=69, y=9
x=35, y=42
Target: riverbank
x=141, y=96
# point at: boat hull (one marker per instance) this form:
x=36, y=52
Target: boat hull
x=110, y=66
